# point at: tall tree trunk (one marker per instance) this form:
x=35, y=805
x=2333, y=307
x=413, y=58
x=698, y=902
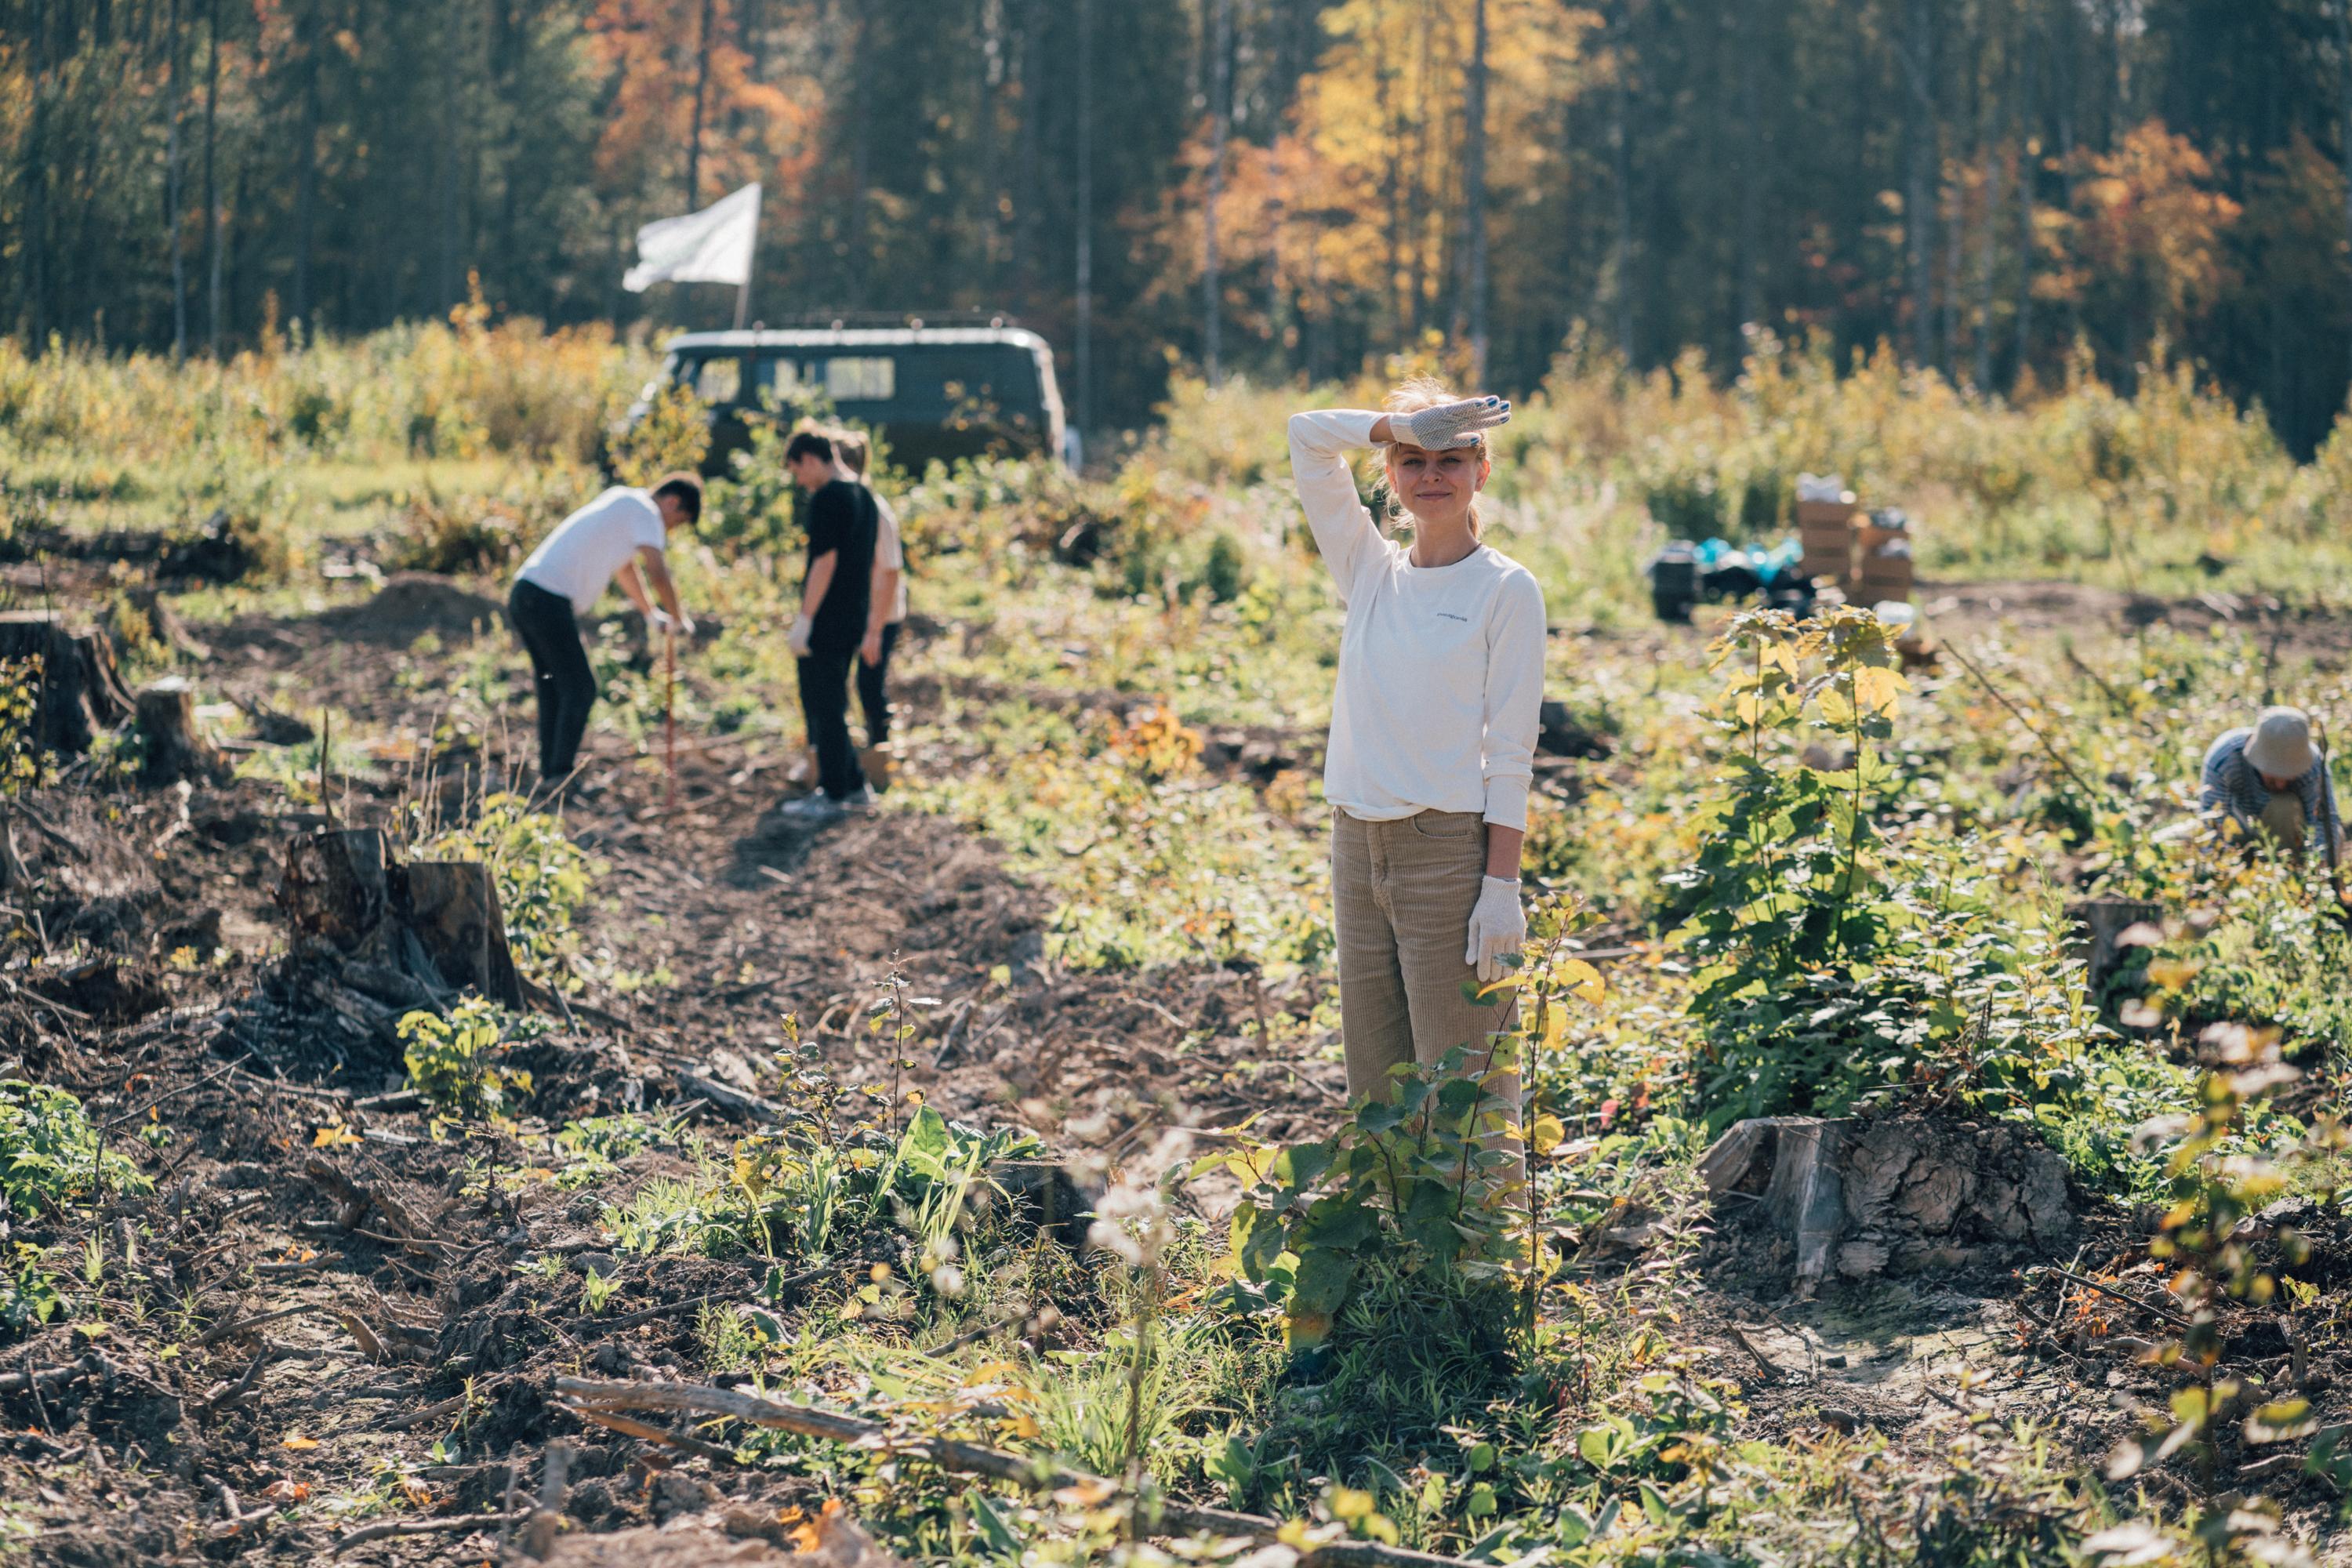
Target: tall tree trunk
x=1082, y=352
x=1620, y=168
x=36, y=183
x=448, y=161
x=306, y=168
x=861, y=156
x=1474, y=194
x=1213, y=282
x=172, y=200
x=1918, y=60
x=2344, y=102
x=1027, y=177
x=701, y=91
x=2027, y=173
x=1987, y=263
x=1750, y=172
x=212, y=188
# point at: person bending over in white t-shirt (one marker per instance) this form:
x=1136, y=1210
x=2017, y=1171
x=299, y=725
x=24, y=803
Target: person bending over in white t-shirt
x=1433, y=722
x=621, y=533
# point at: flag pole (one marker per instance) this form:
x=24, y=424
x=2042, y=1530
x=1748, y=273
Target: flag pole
x=751, y=265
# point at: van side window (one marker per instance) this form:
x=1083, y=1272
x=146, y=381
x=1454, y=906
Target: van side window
x=861, y=380
x=718, y=380
x=780, y=376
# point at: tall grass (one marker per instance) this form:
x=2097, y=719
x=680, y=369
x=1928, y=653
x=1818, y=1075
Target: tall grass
x=2171, y=489
x=78, y=424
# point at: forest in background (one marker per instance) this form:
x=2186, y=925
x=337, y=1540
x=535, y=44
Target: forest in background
x=1272, y=187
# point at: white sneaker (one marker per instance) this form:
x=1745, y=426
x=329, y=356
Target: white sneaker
x=815, y=808
x=862, y=801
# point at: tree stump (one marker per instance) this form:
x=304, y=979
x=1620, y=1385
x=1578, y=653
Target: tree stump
x=402, y=934
x=1900, y=1194
x=79, y=693
x=2104, y=923
x=453, y=909
x=337, y=887
x=174, y=749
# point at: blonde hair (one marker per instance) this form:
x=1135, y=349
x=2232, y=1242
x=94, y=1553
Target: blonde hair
x=1410, y=397
x=851, y=449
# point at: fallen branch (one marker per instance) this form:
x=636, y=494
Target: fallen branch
x=219, y=1332
x=2179, y=1320
x=230, y=1395
x=733, y=1099
x=653, y=1434
x=22, y=1382
x=168, y=1094
x=1764, y=1363
x=587, y=1399
x=399, y=1527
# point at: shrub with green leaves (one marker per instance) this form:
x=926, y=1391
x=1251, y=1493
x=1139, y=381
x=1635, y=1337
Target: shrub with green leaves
x=51, y=1154
x=454, y=1062
x=1417, y=1177
x=1845, y=960
x=673, y=434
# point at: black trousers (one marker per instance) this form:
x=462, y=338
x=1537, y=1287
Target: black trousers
x=824, y=705
x=870, y=694
x=561, y=674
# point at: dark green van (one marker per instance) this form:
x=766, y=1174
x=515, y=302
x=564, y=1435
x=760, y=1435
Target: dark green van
x=933, y=391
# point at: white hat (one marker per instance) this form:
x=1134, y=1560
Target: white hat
x=2282, y=745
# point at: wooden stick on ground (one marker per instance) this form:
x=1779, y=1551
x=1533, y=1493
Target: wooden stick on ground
x=588, y=1399
x=467, y=1522
x=669, y=722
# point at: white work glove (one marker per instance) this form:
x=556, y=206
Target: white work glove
x=803, y=630
x=662, y=622
x=1449, y=425
x=1498, y=928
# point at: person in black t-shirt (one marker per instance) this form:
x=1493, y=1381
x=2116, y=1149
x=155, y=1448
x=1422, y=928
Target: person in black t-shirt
x=834, y=602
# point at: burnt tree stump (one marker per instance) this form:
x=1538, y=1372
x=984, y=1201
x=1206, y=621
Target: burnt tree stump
x=404, y=935
x=337, y=888
x=79, y=692
x=174, y=750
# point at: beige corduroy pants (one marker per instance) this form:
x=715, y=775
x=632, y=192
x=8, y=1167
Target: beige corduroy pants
x=1401, y=896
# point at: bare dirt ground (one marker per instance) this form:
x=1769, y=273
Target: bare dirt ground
x=337, y=1350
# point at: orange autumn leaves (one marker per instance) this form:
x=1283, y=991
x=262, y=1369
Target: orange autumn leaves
x=762, y=127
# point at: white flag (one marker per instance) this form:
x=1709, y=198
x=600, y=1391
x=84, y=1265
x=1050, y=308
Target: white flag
x=713, y=245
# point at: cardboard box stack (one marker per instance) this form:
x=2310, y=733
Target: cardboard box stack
x=1886, y=562
x=1825, y=531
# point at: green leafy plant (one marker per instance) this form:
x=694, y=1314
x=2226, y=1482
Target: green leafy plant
x=28, y=1295
x=454, y=1062
x=1417, y=1177
x=51, y=1154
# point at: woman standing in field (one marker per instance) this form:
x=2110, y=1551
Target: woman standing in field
x=1433, y=721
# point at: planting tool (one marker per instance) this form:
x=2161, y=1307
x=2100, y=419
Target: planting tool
x=670, y=720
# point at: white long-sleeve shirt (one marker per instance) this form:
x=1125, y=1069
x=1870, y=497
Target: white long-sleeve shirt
x=1440, y=688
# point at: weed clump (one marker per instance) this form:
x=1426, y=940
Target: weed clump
x=51, y=1154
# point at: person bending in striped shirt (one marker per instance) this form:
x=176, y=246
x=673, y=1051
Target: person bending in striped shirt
x=2271, y=777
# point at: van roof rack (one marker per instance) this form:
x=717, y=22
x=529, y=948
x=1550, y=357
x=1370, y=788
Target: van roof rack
x=887, y=319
